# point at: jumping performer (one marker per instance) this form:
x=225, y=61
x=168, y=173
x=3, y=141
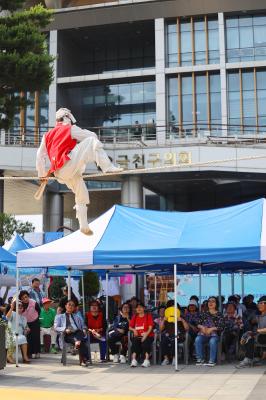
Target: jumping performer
x=69, y=149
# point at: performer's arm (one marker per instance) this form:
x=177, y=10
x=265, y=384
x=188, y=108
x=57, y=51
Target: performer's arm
x=41, y=158
x=81, y=134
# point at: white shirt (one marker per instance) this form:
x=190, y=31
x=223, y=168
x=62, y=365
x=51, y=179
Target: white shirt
x=42, y=155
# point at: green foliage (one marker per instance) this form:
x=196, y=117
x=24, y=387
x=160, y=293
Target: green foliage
x=11, y=5
x=55, y=289
x=25, y=63
x=9, y=225
x=91, y=285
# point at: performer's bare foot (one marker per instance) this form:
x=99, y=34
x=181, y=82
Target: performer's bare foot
x=86, y=231
x=113, y=168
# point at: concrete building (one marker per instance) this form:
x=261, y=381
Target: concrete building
x=176, y=86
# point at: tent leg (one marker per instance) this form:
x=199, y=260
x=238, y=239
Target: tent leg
x=232, y=283
x=83, y=294
x=155, y=290
x=17, y=294
x=220, y=289
x=176, y=341
x=69, y=283
x=200, y=286
x=107, y=312
x=242, y=284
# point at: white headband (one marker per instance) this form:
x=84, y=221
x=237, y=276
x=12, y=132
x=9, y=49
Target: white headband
x=65, y=113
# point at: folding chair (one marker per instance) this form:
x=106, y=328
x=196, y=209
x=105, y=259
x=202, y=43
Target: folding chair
x=66, y=346
x=260, y=342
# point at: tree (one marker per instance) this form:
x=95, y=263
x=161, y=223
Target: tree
x=55, y=289
x=91, y=285
x=25, y=63
x=9, y=225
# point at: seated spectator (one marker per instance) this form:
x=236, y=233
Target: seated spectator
x=133, y=304
x=248, y=339
x=64, y=299
x=31, y=310
x=119, y=332
x=241, y=308
x=159, y=321
x=210, y=325
x=2, y=307
x=73, y=330
x=171, y=311
x=204, y=306
x=97, y=327
x=23, y=330
x=233, y=325
x=192, y=318
x=47, y=317
x=168, y=337
x=141, y=325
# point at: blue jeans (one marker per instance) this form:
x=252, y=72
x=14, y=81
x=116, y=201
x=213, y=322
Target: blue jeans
x=200, y=342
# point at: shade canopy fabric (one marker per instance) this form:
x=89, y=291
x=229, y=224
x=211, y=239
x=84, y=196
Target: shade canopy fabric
x=18, y=243
x=6, y=256
x=125, y=235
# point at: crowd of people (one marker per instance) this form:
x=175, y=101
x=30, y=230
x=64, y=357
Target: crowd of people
x=232, y=325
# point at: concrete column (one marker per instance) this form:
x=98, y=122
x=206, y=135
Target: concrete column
x=132, y=192
x=160, y=80
x=53, y=86
x=132, y=195
x=221, y=23
x=2, y=192
x=53, y=211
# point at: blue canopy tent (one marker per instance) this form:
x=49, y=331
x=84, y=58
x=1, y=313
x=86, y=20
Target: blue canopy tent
x=129, y=236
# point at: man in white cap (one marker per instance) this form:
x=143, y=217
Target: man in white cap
x=69, y=149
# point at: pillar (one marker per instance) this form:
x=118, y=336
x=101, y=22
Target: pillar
x=53, y=211
x=132, y=196
x=53, y=87
x=223, y=72
x=160, y=80
x=2, y=192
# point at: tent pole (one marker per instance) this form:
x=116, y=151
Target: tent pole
x=200, y=287
x=69, y=283
x=232, y=283
x=107, y=297
x=83, y=293
x=176, y=342
x=220, y=289
x=155, y=290
x=17, y=294
x=242, y=284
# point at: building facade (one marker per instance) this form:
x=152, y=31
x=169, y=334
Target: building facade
x=167, y=85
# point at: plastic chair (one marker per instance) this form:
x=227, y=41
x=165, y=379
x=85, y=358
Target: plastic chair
x=67, y=346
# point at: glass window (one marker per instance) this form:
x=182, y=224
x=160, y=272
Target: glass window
x=137, y=93
x=215, y=101
x=259, y=20
x=261, y=79
x=187, y=109
x=186, y=44
x=232, y=38
x=248, y=80
x=149, y=92
x=201, y=84
x=172, y=44
x=173, y=110
x=201, y=106
x=234, y=104
x=233, y=81
x=215, y=83
x=260, y=36
x=249, y=104
x=173, y=86
x=186, y=85
x=261, y=95
x=200, y=41
x=246, y=37
x=185, y=26
x=231, y=22
x=245, y=21
x=124, y=94
x=172, y=27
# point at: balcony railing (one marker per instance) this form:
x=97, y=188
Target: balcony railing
x=150, y=135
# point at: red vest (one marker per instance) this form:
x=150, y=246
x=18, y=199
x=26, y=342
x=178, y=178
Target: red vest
x=59, y=143
x=93, y=323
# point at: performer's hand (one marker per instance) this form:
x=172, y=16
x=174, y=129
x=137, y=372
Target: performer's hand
x=43, y=179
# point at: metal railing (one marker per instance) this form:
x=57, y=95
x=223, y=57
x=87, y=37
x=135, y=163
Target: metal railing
x=150, y=135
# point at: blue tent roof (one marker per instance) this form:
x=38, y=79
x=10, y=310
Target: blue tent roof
x=132, y=236
x=19, y=243
x=6, y=257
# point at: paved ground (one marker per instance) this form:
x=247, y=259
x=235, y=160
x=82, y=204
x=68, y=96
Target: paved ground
x=117, y=382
